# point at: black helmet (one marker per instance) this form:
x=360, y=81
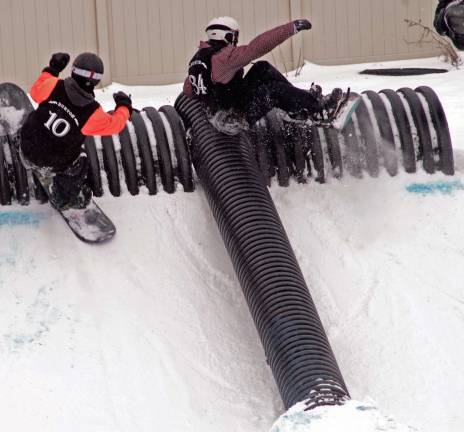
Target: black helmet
x=88, y=69
x=454, y=18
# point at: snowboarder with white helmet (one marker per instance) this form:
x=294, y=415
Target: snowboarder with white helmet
x=449, y=21
x=53, y=134
x=216, y=75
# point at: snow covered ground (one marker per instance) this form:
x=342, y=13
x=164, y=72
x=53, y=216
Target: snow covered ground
x=151, y=331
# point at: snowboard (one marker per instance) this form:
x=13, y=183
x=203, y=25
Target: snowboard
x=345, y=111
x=89, y=224
x=15, y=106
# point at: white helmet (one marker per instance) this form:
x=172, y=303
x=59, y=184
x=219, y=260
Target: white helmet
x=223, y=29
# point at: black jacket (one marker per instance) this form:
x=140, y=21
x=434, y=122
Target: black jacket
x=216, y=95
x=443, y=27
x=51, y=135
x=439, y=22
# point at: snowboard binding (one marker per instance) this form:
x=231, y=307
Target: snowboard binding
x=338, y=108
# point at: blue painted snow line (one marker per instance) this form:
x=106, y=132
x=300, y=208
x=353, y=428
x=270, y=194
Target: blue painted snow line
x=443, y=187
x=15, y=218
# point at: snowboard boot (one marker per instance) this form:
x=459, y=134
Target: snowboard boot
x=69, y=188
x=316, y=91
x=328, y=105
x=333, y=102
x=82, y=200
x=338, y=108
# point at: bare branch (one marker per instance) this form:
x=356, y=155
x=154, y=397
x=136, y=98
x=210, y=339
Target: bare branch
x=300, y=63
x=283, y=60
x=430, y=36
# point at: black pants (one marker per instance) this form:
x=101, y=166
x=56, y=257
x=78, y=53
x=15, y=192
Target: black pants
x=67, y=187
x=70, y=186
x=265, y=88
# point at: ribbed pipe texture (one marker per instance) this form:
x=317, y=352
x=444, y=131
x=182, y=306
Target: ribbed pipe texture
x=388, y=129
x=295, y=343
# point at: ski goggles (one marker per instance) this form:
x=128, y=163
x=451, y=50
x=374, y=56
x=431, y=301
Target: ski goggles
x=87, y=74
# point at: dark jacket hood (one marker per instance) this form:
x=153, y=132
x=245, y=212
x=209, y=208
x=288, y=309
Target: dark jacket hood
x=76, y=94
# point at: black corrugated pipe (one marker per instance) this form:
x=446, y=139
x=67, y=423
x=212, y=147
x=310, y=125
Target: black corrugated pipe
x=295, y=343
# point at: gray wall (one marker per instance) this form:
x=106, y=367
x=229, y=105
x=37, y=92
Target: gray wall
x=150, y=41
x=32, y=29
x=159, y=37
x=353, y=31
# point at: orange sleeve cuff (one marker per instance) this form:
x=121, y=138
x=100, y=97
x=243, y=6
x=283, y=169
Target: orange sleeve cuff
x=102, y=123
x=43, y=87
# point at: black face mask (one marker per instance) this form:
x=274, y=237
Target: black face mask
x=216, y=44
x=84, y=83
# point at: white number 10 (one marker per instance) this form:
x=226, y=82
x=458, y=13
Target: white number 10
x=54, y=124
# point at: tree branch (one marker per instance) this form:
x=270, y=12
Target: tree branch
x=430, y=36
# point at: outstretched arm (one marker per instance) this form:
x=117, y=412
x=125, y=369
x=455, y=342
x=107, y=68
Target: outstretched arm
x=44, y=85
x=102, y=123
x=231, y=59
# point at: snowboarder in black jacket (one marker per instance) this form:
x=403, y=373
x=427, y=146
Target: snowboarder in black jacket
x=216, y=75
x=449, y=21
x=53, y=134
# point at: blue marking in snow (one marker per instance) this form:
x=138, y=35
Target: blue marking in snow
x=21, y=218
x=443, y=187
x=366, y=408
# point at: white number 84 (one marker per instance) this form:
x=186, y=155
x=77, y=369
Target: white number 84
x=198, y=85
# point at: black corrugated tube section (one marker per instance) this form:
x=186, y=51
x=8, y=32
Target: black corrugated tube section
x=388, y=130
x=149, y=155
x=295, y=343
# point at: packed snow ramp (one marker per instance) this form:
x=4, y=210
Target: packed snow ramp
x=389, y=129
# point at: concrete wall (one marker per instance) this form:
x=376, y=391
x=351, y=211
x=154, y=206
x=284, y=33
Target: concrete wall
x=151, y=41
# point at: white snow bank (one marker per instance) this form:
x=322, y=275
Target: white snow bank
x=10, y=119
x=352, y=417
